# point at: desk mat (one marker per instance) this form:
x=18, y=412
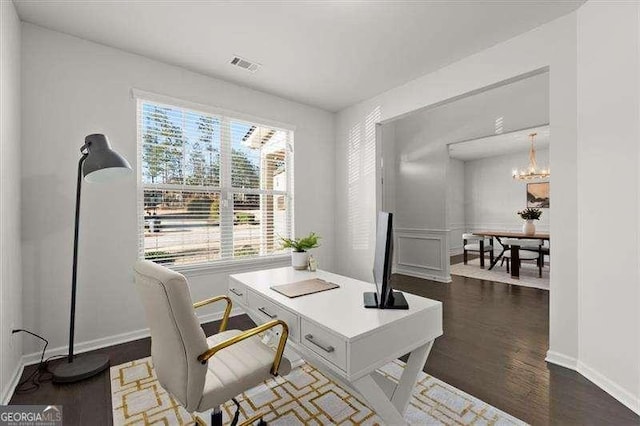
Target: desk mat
x=302, y=288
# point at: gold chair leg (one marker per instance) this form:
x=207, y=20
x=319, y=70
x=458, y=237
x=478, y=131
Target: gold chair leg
x=200, y=421
x=250, y=420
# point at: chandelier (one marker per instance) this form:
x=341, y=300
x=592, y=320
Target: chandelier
x=531, y=172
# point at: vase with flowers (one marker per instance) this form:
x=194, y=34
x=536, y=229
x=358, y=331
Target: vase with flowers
x=529, y=215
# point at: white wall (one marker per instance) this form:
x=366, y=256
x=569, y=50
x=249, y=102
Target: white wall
x=10, y=257
x=492, y=197
x=388, y=168
x=420, y=224
x=424, y=177
x=455, y=205
x=609, y=137
x=597, y=290
x=552, y=45
x=72, y=88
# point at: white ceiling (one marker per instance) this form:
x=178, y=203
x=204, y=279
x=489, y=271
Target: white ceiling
x=329, y=54
x=506, y=143
x=521, y=104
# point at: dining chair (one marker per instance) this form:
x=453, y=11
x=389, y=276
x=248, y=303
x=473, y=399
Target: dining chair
x=476, y=243
x=524, y=254
x=201, y=372
x=546, y=249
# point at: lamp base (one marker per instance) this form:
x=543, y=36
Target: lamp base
x=82, y=367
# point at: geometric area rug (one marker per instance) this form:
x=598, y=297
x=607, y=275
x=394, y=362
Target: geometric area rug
x=303, y=397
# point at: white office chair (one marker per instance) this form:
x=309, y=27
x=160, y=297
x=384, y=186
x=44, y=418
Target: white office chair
x=524, y=253
x=476, y=243
x=202, y=373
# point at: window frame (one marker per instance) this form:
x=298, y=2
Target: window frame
x=228, y=264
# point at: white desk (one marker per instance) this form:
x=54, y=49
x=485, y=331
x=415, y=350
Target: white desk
x=334, y=332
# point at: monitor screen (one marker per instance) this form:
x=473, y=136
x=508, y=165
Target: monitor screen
x=383, y=257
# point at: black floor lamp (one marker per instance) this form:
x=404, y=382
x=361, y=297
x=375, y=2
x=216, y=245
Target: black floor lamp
x=99, y=163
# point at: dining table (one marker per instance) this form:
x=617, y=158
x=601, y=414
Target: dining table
x=515, y=250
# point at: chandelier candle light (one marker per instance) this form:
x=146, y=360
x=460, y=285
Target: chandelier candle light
x=532, y=171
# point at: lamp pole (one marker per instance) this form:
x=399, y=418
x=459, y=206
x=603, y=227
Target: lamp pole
x=98, y=162
x=74, y=276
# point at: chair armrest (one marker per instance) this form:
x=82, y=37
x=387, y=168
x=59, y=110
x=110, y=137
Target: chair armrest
x=227, y=311
x=204, y=357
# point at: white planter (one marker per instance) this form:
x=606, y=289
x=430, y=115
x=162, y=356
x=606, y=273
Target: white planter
x=299, y=260
x=528, y=228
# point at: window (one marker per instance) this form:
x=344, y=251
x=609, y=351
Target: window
x=214, y=188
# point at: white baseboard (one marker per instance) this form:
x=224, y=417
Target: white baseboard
x=103, y=342
x=90, y=345
x=8, y=391
x=562, y=360
x=625, y=397
x=424, y=275
x=622, y=395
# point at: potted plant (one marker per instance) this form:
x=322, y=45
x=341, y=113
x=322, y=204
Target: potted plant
x=529, y=215
x=299, y=247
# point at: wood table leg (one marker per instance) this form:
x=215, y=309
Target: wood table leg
x=464, y=252
x=515, y=262
x=491, y=255
x=497, y=259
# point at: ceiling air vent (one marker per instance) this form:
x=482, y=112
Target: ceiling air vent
x=245, y=64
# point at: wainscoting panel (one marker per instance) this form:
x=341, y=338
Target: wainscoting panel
x=422, y=253
x=419, y=252
x=455, y=238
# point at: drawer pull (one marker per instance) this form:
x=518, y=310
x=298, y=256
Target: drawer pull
x=328, y=349
x=267, y=313
x=236, y=292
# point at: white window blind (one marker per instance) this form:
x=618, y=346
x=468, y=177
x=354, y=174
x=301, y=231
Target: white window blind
x=213, y=188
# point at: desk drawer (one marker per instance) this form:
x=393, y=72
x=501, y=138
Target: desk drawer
x=270, y=311
x=238, y=292
x=325, y=344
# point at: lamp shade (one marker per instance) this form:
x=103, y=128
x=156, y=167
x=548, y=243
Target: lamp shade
x=103, y=163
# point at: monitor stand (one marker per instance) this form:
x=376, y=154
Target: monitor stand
x=396, y=301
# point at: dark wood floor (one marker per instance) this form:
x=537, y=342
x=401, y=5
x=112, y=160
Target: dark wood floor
x=493, y=347
x=89, y=402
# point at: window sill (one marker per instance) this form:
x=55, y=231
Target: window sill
x=234, y=266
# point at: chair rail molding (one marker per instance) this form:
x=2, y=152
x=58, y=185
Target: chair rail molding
x=422, y=253
x=502, y=226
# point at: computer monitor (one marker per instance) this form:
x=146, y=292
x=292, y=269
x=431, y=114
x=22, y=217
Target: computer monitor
x=384, y=297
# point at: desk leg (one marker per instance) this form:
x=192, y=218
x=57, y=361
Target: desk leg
x=409, y=377
x=378, y=400
x=391, y=408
